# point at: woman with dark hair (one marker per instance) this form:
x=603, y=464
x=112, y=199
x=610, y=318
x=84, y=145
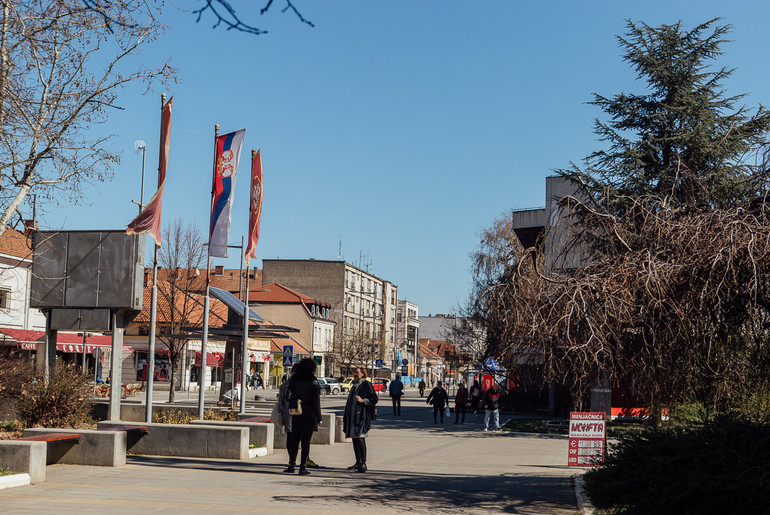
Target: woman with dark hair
x=303, y=393
x=358, y=416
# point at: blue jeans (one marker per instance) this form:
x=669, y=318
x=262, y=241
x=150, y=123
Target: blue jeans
x=495, y=414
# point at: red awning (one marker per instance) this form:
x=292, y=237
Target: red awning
x=213, y=359
x=22, y=335
x=65, y=342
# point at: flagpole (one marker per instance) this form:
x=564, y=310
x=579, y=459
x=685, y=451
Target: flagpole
x=205, y=339
x=245, y=350
x=153, y=299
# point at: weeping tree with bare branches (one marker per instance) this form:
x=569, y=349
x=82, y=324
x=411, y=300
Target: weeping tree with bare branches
x=62, y=66
x=673, y=215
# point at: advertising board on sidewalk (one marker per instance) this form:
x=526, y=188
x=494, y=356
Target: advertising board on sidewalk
x=587, y=433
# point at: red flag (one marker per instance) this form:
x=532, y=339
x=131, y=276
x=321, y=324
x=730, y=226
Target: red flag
x=255, y=206
x=149, y=219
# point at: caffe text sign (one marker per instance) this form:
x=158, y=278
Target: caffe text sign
x=587, y=432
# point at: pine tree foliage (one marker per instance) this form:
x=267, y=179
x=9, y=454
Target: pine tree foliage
x=683, y=139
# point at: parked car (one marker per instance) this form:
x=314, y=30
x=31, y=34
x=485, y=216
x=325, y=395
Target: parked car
x=332, y=383
x=328, y=387
x=345, y=384
x=380, y=384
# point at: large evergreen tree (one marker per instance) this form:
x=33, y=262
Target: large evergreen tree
x=684, y=139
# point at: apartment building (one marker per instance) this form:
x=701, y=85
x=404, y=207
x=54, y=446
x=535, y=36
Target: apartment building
x=363, y=305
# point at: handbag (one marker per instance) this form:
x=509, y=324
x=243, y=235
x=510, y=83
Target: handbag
x=446, y=410
x=295, y=403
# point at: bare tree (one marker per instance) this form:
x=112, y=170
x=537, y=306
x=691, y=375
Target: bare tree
x=179, y=305
x=61, y=69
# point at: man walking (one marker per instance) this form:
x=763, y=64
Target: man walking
x=491, y=403
x=396, y=390
x=439, y=398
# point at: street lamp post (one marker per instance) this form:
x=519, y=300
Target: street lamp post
x=140, y=145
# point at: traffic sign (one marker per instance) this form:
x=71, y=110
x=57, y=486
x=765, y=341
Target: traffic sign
x=405, y=362
x=378, y=363
x=404, y=371
x=288, y=355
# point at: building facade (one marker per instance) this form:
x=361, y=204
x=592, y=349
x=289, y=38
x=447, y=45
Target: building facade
x=363, y=306
x=283, y=306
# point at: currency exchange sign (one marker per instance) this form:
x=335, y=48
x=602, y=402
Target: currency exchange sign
x=587, y=433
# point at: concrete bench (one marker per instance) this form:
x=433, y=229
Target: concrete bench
x=189, y=440
x=94, y=447
x=260, y=433
x=324, y=435
x=24, y=456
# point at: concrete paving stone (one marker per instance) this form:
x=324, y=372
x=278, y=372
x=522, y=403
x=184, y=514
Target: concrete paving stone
x=414, y=467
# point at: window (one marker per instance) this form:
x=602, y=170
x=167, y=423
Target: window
x=5, y=298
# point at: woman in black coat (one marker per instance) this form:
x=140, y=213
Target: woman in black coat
x=358, y=416
x=304, y=386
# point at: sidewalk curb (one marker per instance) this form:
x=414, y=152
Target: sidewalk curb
x=12, y=480
x=584, y=503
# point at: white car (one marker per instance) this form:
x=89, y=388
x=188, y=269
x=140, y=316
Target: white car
x=329, y=385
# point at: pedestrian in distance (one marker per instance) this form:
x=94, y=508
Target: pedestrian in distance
x=421, y=386
x=303, y=396
x=491, y=403
x=439, y=399
x=396, y=390
x=357, y=420
x=475, y=397
x=461, y=398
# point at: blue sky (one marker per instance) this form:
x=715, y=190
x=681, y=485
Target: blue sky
x=400, y=128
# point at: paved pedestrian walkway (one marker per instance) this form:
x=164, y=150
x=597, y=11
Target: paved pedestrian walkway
x=414, y=467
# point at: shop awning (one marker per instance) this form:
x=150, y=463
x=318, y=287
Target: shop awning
x=213, y=359
x=27, y=339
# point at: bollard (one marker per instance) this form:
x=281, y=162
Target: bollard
x=339, y=431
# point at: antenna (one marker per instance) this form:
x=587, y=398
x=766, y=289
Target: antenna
x=339, y=249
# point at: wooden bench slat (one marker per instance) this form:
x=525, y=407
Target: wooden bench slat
x=52, y=437
x=262, y=420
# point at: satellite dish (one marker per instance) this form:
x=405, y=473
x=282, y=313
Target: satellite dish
x=139, y=145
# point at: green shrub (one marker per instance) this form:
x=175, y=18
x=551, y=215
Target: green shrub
x=64, y=402
x=721, y=467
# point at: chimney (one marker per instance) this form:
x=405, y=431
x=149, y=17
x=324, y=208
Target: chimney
x=30, y=226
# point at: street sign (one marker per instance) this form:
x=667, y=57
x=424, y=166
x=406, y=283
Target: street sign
x=378, y=363
x=405, y=362
x=587, y=431
x=288, y=355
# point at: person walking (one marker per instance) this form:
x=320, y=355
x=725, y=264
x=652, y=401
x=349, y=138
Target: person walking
x=491, y=404
x=421, y=386
x=357, y=420
x=439, y=398
x=460, y=399
x=303, y=396
x=475, y=397
x=396, y=390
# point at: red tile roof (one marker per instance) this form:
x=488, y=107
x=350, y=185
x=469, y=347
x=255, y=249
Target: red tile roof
x=280, y=294
x=277, y=345
x=15, y=243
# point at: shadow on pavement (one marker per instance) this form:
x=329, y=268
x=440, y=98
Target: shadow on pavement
x=401, y=491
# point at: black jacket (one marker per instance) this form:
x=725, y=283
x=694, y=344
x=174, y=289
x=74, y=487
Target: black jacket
x=438, y=397
x=309, y=392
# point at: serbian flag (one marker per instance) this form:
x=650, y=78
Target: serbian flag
x=255, y=208
x=228, y=152
x=149, y=219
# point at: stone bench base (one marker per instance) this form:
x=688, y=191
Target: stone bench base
x=188, y=440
